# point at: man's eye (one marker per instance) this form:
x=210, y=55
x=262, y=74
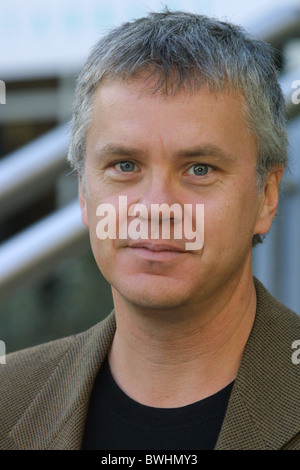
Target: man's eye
x=199, y=169
x=126, y=166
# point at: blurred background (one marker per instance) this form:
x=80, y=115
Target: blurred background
x=50, y=285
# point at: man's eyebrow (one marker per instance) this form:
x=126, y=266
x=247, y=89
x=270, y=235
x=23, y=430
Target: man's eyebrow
x=119, y=151
x=209, y=150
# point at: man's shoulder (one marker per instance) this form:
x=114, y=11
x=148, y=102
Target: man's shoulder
x=26, y=372
x=23, y=375
x=264, y=407
x=46, y=356
x=35, y=358
x=38, y=362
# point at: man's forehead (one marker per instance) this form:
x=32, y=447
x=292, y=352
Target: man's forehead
x=134, y=99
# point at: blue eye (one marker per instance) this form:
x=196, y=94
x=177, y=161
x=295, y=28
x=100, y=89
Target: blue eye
x=199, y=169
x=126, y=166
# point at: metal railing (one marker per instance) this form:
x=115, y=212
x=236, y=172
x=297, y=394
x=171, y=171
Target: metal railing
x=35, y=250
x=26, y=172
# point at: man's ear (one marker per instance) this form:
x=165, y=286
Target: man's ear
x=82, y=202
x=269, y=203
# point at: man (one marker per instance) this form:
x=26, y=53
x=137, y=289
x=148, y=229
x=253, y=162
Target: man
x=170, y=109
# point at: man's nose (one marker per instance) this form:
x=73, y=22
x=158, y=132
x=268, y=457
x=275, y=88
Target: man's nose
x=159, y=201
x=159, y=189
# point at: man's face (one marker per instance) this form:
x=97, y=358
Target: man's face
x=186, y=149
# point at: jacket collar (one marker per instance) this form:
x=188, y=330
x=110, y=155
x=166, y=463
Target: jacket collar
x=57, y=415
x=264, y=407
x=263, y=410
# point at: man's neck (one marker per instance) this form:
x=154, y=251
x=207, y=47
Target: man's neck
x=165, y=364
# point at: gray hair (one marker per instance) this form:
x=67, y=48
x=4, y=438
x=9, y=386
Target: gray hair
x=188, y=51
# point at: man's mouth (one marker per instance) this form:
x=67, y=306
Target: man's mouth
x=156, y=251
x=157, y=246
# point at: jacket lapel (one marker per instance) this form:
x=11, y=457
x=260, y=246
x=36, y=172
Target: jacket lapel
x=56, y=417
x=264, y=408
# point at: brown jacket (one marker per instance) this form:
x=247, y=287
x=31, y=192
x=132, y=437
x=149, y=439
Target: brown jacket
x=44, y=390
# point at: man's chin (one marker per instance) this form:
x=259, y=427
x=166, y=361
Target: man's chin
x=160, y=299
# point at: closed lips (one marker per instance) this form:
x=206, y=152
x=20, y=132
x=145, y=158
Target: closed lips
x=154, y=247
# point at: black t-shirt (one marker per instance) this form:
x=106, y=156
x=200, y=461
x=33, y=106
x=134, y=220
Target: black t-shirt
x=117, y=422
